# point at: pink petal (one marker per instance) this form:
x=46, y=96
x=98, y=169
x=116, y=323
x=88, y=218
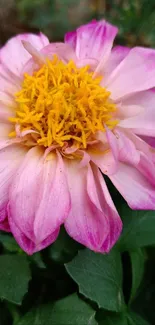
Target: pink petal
x=127, y=111
x=149, y=140
x=4, y=225
x=118, y=54
x=137, y=113
x=112, y=140
x=63, y=51
x=14, y=52
x=54, y=198
x=39, y=201
x=5, y=113
x=120, y=148
x=106, y=204
x=143, y=123
x=140, y=144
x=134, y=187
x=8, y=81
x=93, y=40
x=147, y=167
x=71, y=39
x=102, y=155
x=5, y=142
x=93, y=220
x=136, y=103
x=135, y=73
x=10, y=158
x=24, y=193
x=143, y=99
x=29, y=246
x=127, y=151
x=104, y=159
x=5, y=129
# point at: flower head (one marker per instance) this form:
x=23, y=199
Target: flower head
x=69, y=111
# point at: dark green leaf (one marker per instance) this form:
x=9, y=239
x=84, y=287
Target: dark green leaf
x=14, y=277
x=112, y=319
x=134, y=319
x=99, y=278
x=126, y=318
x=37, y=259
x=68, y=311
x=143, y=303
x=9, y=243
x=138, y=228
x=64, y=248
x=137, y=263
x=5, y=316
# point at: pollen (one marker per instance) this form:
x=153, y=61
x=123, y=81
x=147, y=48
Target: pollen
x=62, y=104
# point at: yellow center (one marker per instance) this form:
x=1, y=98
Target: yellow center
x=61, y=104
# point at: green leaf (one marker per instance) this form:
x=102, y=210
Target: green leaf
x=99, y=278
x=138, y=228
x=9, y=243
x=143, y=304
x=14, y=277
x=64, y=248
x=134, y=319
x=37, y=259
x=68, y=311
x=127, y=318
x=5, y=317
x=137, y=263
x=112, y=319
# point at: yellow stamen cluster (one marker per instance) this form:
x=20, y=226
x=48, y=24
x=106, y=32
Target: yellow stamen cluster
x=63, y=104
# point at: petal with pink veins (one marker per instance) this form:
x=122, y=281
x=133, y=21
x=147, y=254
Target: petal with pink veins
x=4, y=225
x=5, y=113
x=29, y=246
x=143, y=99
x=147, y=167
x=5, y=129
x=112, y=140
x=127, y=151
x=104, y=159
x=118, y=54
x=134, y=74
x=127, y=111
x=102, y=155
x=9, y=82
x=71, y=39
x=54, y=198
x=136, y=104
x=93, y=40
x=149, y=140
x=63, y=51
x=24, y=193
x=14, y=56
x=10, y=159
x=39, y=200
x=93, y=220
x=139, y=143
x=137, y=112
x=141, y=124
x=134, y=187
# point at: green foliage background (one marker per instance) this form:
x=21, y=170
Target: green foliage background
x=135, y=18
x=67, y=284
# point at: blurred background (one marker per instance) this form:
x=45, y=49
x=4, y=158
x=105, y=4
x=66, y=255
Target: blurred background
x=135, y=18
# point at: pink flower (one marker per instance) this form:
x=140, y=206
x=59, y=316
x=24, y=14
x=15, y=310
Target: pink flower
x=69, y=111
